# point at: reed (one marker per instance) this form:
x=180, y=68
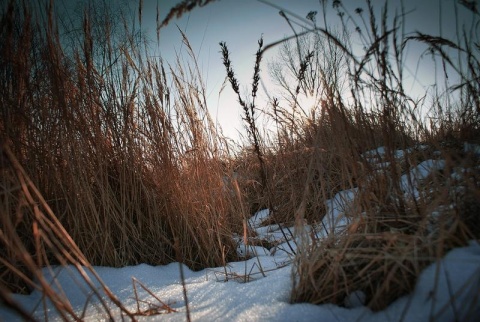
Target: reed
x=361, y=104
x=109, y=157
x=124, y=158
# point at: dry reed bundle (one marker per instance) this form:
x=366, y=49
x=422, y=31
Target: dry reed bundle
x=45, y=241
x=122, y=150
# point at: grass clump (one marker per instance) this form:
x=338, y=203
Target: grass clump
x=124, y=157
x=398, y=221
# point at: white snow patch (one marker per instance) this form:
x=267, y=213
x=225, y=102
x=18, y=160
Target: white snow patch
x=410, y=182
x=471, y=148
x=336, y=217
x=447, y=292
x=256, y=220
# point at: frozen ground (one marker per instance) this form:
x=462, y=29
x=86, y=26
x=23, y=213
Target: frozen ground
x=447, y=291
x=258, y=289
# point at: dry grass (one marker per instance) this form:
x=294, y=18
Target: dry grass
x=125, y=161
x=109, y=156
x=391, y=236
x=382, y=265
x=383, y=252
x=362, y=104
x=24, y=210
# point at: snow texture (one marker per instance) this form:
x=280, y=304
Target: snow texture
x=445, y=291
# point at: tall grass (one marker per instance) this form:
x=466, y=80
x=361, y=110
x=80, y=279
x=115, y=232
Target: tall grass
x=111, y=154
x=33, y=238
x=118, y=144
x=361, y=104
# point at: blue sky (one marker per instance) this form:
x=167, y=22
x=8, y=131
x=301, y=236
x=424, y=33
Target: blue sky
x=240, y=23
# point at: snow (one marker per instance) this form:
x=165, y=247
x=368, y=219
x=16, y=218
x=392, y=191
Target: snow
x=376, y=156
x=257, y=219
x=411, y=181
x=258, y=288
x=249, y=250
x=380, y=152
x=214, y=295
x=471, y=148
x=335, y=220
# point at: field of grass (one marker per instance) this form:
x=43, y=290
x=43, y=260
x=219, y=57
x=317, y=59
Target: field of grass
x=110, y=158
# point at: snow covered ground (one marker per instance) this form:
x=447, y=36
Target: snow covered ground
x=447, y=291
x=258, y=289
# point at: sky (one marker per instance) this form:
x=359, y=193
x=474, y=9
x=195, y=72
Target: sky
x=241, y=23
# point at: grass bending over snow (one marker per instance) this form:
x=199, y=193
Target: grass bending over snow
x=404, y=216
x=125, y=166
x=380, y=253
x=127, y=162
